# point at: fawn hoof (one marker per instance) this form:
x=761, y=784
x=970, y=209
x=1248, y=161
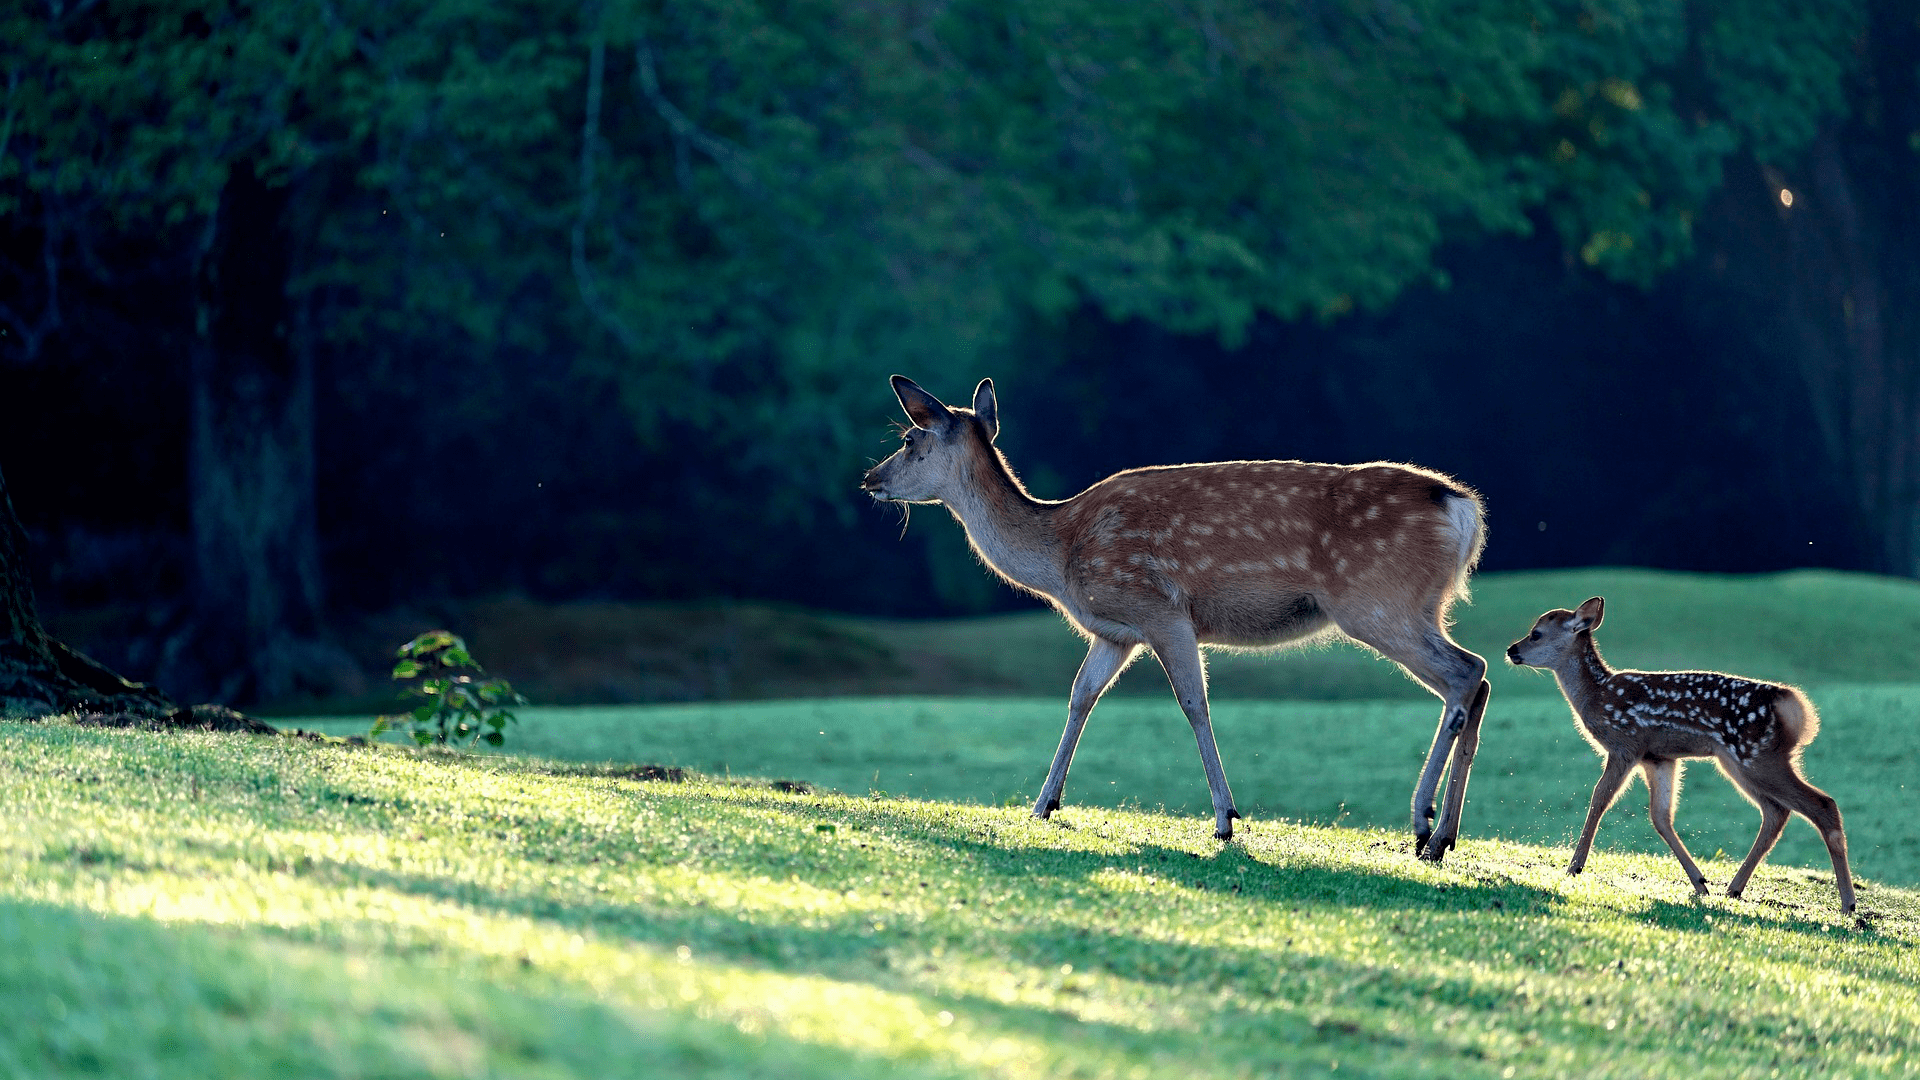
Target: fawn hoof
x=1573, y=869
x=1734, y=893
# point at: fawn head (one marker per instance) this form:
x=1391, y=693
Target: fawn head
x=1556, y=635
x=936, y=454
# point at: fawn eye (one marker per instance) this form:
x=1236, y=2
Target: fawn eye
x=1535, y=636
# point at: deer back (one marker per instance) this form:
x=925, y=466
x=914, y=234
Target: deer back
x=1258, y=548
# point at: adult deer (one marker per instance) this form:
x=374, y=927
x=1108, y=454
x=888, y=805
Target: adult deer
x=1654, y=720
x=1239, y=553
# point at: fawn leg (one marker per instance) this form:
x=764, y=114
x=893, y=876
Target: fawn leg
x=1816, y=806
x=1105, y=660
x=1773, y=820
x=1458, y=769
x=1663, y=779
x=1618, y=768
x=1179, y=653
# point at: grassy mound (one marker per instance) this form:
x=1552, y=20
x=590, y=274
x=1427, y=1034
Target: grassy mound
x=1809, y=626
x=200, y=904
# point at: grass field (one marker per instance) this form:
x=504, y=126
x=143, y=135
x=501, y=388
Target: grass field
x=1810, y=626
x=210, y=905
x=1333, y=734
x=1802, y=627
x=193, y=905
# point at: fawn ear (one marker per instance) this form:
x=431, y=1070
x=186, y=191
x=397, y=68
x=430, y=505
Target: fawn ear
x=1588, y=615
x=986, y=409
x=922, y=408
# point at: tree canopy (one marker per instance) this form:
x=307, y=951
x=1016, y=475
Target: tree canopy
x=735, y=217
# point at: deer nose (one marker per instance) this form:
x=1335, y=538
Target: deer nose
x=869, y=481
x=1513, y=653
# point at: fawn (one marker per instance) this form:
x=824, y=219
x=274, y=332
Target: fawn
x=1239, y=553
x=1656, y=719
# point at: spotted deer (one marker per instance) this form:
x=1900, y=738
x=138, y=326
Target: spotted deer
x=1242, y=554
x=1655, y=720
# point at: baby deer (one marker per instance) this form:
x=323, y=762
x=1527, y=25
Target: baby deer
x=1654, y=719
x=1238, y=553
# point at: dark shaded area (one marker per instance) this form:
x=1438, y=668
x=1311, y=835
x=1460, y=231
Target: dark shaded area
x=328, y=327
x=1603, y=425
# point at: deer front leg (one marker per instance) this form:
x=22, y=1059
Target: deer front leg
x=1179, y=653
x=1612, y=778
x=1105, y=660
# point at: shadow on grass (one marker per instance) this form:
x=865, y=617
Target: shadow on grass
x=116, y=996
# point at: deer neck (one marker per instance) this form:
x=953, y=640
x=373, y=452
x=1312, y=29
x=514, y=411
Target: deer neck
x=1583, y=674
x=1010, y=529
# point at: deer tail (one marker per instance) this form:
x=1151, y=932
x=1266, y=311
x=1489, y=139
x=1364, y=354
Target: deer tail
x=1797, y=715
x=1466, y=523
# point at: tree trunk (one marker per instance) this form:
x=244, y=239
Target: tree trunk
x=1825, y=255
x=39, y=676
x=256, y=631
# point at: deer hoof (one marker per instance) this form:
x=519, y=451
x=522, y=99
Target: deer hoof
x=1573, y=869
x=1734, y=893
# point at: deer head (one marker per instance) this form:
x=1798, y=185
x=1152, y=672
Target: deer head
x=1556, y=635
x=937, y=454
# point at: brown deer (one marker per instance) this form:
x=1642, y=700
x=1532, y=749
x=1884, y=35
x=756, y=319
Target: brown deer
x=1657, y=719
x=1241, y=553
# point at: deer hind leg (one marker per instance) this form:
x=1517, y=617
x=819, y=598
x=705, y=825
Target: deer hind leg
x=1104, y=663
x=1179, y=653
x=1418, y=644
x=1773, y=821
x=1775, y=784
x=1663, y=782
x=1459, y=768
x=1820, y=809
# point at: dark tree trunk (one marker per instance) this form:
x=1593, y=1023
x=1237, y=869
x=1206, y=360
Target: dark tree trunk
x=256, y=631
x=39, y=676
x=1824, y=255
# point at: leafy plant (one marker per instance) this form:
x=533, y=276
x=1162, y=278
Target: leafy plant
x=456, y=702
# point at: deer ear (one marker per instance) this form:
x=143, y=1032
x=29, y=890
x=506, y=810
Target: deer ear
x=922, y=408
x=985, y=409
x=1588, y=615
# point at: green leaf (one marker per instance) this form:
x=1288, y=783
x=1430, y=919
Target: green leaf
x=406, y=669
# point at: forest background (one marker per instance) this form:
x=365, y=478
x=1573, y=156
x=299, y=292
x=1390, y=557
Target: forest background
x=316, y=310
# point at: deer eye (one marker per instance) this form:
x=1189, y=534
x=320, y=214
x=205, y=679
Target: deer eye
x=1535, y=636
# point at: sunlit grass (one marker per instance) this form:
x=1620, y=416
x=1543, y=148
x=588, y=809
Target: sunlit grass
x=1348, y=762
x=215, y=905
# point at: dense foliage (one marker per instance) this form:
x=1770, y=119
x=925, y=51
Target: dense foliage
x=734, y=217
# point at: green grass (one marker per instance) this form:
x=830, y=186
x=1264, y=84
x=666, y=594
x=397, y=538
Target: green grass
x=1350, y=762
x=202, y=905
x=1348, y=732
x=1808, y=626
x=1803, y=627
